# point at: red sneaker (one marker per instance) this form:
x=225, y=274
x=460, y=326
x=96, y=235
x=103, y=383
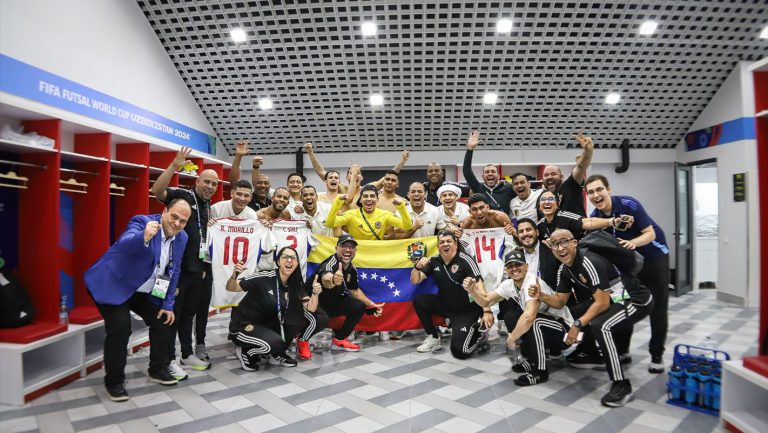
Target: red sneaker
x=344, y=344
x=302, y=349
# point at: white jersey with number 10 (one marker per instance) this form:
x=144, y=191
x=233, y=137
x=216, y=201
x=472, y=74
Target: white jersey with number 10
x=230, y=241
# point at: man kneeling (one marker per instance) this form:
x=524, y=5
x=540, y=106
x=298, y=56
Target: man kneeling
x=548, y=325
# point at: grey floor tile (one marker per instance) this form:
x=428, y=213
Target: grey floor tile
x=124, y=416
x=407, y=393
x=612, y=421
x=696, y=422
x=419, y=423
x=575, y=391
x=318, y=422
x=315, y=394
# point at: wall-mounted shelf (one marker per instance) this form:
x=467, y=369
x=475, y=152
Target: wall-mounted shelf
x=18, y=147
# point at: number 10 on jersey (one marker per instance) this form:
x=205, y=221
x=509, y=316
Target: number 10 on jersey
x=235, y=250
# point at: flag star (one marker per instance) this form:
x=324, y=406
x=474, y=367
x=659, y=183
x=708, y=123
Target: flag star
x=374, y=275
x=391, y=285
x=396, y=292
x=364, y=276
x=383, y=278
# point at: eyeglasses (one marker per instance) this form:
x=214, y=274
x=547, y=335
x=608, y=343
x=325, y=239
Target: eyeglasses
x=547, y=199
x=348, y=247
x=597, y=190
x=287, y=257
x=562, y=243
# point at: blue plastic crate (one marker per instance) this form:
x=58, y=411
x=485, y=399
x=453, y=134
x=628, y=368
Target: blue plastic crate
x=694, y=378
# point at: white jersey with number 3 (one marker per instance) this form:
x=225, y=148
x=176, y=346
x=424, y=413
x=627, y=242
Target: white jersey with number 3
x=230, y=241
x=487, y=247
x=294, y=234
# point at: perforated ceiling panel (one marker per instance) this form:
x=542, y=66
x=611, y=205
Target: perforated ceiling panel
x=434, y=60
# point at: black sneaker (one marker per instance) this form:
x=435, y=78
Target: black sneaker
x=523, y=367
x=532, y=378
x=656, y=366
x=245, y=360
x=582, y=360
x=283, y=360
x=163, y=377
x=625, y=358
x=117, y=393
x=619, y=395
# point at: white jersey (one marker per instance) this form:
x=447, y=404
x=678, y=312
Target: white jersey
x=317, y=220
x=431, y=218
x=487, y=246
x=223, y=209
x=294, y=234
x=508, y=290
x=460, y=212
x=525, y=208
x=229, y=242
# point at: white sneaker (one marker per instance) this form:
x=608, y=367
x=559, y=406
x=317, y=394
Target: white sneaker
x=195, y=363
x=430, y=344
x=502, y=327
x=384, y=336
x=176, y=371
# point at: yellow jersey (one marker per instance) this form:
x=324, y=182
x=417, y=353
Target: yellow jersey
x=379, y=220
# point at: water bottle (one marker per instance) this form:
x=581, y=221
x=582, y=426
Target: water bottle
x=716, y=391
x=705, y=381
x=63, y=312
x=677, y=383
x=691, y=385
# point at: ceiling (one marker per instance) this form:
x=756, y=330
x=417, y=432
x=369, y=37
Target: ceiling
x=434, y=60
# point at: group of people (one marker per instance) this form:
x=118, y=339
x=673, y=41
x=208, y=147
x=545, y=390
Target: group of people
x=557, y=299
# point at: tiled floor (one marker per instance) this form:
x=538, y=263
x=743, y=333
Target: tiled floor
x=388, y=387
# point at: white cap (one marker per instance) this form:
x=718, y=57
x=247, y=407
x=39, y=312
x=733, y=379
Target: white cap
x=448, y=187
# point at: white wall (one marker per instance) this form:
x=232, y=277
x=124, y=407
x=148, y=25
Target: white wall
x=107, y=45
x=738, y=247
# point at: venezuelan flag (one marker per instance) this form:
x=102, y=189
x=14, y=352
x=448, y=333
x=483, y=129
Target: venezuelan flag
x=384, y=275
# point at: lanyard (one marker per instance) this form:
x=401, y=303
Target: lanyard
x=199, y=221
x=278, y=296
x=170, y=258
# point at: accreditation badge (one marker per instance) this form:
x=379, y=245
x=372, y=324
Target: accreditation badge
x=160, y=289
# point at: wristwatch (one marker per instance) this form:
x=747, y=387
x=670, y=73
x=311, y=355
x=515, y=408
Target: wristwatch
x=577, y=323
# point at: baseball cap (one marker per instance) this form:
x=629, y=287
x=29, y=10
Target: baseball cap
x=346, y=238
x=516, y=256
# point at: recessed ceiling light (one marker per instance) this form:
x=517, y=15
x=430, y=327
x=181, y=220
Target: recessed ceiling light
x=377, y=99
x=490, y=98
x=612, y=98
x=764, y=33
x=648, y=28
x=265, y=104
x=368, y=28
x=504, y=25
x=238, y=35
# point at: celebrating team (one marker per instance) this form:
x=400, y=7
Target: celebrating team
x=559, y=297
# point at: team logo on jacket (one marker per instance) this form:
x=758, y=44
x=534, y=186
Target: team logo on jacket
x=517, y=213
x=455, y=268
x=416, y=251
x=248, y=328
x=378, y=225
x=349, y=278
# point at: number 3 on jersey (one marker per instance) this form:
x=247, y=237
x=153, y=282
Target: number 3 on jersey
x=234, y=246
x=485, y=244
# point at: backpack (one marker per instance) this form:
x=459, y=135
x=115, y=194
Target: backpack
x=628, y=262
x=15, y=306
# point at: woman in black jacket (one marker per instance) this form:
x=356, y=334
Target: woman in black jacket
x=275, y=310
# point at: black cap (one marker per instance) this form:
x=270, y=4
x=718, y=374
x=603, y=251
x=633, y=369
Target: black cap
x=346, y=238
x=515, y=256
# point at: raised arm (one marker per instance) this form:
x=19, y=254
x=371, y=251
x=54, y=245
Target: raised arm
x=319, y=169
x=482, y=298
x=354, y=185
x=158, y=188
x=405, y=220
x=466, y=169
x=579, y=172
x=335, y=220
x=403, y=159
x=417, y=275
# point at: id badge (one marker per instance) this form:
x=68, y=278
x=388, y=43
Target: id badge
x=160, y=289
x=203, y=253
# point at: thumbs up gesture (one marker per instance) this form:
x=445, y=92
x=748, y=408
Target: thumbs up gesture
x=316, y=286
x=534, y=290
x=338, y=277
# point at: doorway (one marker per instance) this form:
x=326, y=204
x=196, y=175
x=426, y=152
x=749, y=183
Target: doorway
x=705, y=225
